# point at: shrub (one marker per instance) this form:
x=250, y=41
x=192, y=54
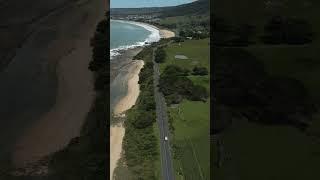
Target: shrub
x=282, y=30
x=178, y=39
x=160, y=55
x=176, y=87
x=174, y=98
x=201, y=71
x=142, y=119
x=199, y=93
x=174, y=70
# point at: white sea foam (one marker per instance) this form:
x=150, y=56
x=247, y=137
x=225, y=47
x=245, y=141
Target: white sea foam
x=153, y=37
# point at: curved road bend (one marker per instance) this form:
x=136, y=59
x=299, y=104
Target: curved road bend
x=162, y=119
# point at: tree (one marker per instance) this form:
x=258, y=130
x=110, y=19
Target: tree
x=174, y=70
x=298, y=31
x=199, y=93
x=182, y=33
x=282, y=30
x=201, y=71
x=143, y=119
x=160, y=55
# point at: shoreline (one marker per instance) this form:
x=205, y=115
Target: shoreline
x=117, y=130
x=133, y=89
x=163, y=34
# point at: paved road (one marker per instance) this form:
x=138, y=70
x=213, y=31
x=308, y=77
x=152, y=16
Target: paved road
x=162, y=119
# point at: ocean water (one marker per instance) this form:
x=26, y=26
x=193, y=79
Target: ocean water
x=127, y=34
x=124, y=36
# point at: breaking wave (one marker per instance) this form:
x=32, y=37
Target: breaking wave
x=153, y=37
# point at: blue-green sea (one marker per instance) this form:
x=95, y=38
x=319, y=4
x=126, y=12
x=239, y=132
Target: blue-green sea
x=127, y=34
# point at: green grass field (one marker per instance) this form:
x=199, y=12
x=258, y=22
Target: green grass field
x=299, y=62
x=264, y=152
x=275, y=152
x=192, y=125
x=198, y=52
x=157, y=163
x=191, y=119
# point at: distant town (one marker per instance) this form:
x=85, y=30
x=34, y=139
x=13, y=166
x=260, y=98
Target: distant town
x=137, y=17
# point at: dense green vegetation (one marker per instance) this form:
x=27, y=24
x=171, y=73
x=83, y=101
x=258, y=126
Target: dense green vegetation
x=175, y=86
x=276, y=30
x=140, y=144
x=283, y=30
x=201, y=71
x=228, y=34
x=175, y=82
x=197, y=7
x=196, y=26
x=189, y=120
x=241, y=83
x=160, y=55
x=266, y=93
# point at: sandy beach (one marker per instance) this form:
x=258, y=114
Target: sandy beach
x=117, y=131
x=133, y=88
x=166, y=33
x=70, y=52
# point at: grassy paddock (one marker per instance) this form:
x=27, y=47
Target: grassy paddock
x=191, y=124
x=275, y=152
x=268, y=152
x=198, y=52
x=190, y=120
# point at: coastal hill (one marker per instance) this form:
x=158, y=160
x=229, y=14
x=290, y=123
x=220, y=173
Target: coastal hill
x=193, y=8
x=186, y=20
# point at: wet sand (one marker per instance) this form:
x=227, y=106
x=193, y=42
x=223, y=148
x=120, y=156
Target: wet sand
x=133, y=88
x=129, y=75
x=68, y=53
x=117, y=131
x=119, y=68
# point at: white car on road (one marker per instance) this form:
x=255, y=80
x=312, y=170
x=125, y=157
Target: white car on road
x=166, y=138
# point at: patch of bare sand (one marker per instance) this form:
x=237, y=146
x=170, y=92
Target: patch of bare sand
x=117, y=131
x=166, y=33
x=71, y=52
